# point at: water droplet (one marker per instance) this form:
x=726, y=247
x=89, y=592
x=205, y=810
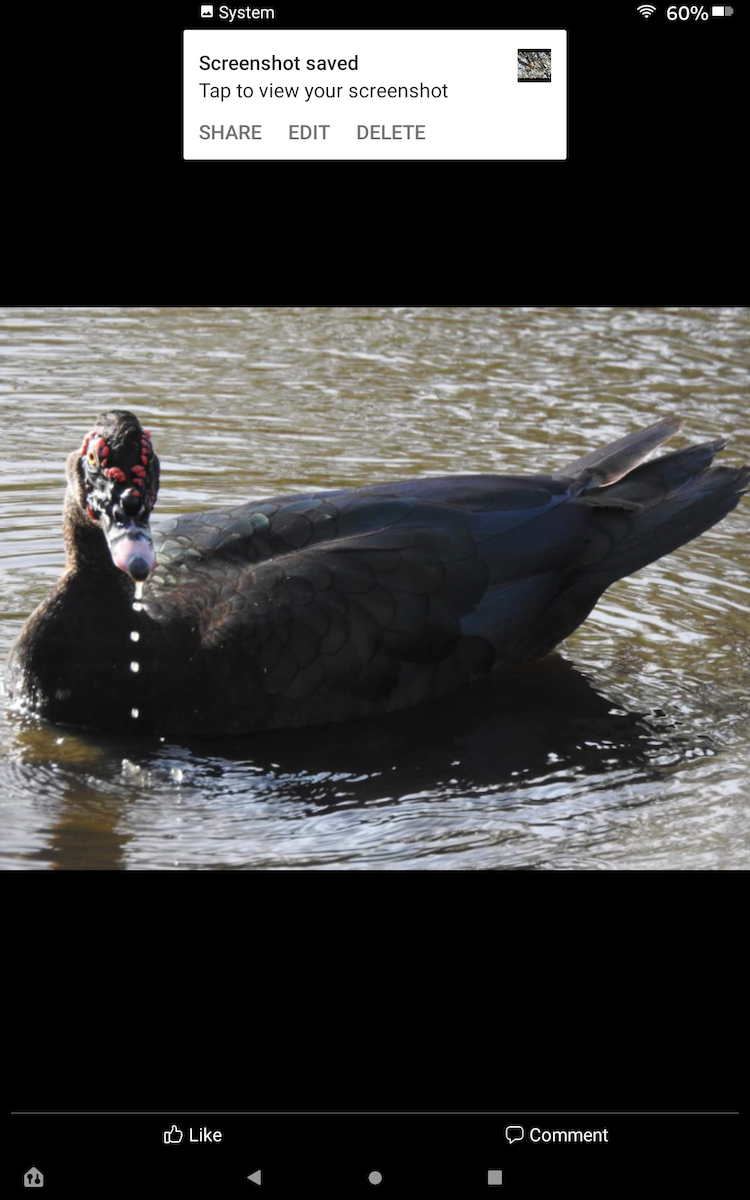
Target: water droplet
x=139, y=591
x=135, y=666
x=135, y=636
x=137, y=607
x=134, y=713
x=177, y=774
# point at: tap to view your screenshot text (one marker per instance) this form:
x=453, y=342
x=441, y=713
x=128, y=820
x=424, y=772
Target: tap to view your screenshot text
x=267, y=93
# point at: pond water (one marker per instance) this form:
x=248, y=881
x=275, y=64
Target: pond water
x=630, y=748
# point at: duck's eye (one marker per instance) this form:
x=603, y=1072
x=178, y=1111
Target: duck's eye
x=92, y=458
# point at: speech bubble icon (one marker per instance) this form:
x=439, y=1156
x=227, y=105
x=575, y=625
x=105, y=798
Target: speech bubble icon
x=514, y=1133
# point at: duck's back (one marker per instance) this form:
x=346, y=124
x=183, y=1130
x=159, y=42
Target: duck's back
x=342, y=603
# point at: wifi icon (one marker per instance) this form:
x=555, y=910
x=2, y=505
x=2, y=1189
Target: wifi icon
x=646, y=9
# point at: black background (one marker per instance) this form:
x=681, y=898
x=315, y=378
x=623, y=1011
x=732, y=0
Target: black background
x=643, y=208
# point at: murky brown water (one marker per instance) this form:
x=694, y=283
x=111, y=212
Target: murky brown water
x=632, y=749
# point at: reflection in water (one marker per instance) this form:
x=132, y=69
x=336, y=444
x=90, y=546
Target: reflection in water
x=539, y=769
x=519, y=735
x=469, y=775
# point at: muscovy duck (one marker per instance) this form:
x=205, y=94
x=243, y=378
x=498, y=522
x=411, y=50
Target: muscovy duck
x=332, y=605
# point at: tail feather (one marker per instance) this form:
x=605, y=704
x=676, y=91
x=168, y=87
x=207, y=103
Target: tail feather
x=650, y=483
x=664, y=525
x=654, y=509
x=610, y=463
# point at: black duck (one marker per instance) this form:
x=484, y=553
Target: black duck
x=322, y=607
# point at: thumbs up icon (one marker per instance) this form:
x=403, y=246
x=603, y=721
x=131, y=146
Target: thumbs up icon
x=173, y=1136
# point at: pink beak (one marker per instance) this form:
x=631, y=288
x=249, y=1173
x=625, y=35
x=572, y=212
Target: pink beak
x=133, y=552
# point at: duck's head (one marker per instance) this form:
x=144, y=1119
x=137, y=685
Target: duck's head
x=115, y=476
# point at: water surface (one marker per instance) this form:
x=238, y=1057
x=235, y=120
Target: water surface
x=629, y=749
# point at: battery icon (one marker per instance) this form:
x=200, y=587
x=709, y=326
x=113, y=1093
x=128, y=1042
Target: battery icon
x=721, y=10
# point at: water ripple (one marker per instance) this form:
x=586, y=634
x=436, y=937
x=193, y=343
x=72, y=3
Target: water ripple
x=637, y=756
